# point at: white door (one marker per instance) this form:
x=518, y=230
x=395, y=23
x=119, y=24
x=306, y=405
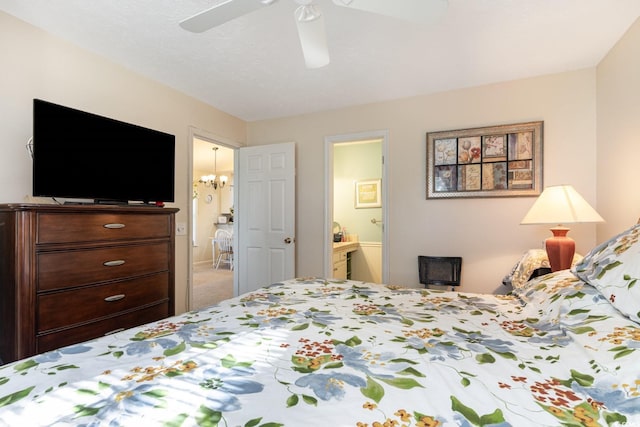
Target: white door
x=265, y=216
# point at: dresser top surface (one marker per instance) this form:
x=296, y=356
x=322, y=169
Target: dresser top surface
x=131, y=208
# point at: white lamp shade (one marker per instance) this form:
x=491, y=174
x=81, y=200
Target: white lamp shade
x=560, y=204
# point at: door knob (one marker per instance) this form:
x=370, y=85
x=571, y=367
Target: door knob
x=288, y=240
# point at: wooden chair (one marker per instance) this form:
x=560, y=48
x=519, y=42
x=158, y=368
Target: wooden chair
x=224, y=242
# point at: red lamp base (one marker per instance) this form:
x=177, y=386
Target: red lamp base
x=560, y=249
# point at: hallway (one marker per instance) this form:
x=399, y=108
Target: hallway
x=210, y=286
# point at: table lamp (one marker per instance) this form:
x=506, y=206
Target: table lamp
x=560, y=204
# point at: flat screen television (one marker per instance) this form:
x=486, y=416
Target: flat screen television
x=80, y=155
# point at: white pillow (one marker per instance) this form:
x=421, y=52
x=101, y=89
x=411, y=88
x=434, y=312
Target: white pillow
x=614, y=269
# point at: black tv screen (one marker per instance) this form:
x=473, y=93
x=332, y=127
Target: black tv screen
x=79, y=155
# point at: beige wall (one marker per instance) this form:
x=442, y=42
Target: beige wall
x=618, y=151
x=485, y=232
x=36, y=64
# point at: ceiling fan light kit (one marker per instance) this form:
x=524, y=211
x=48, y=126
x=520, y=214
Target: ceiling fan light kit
x=310, y=21
x=307, y=13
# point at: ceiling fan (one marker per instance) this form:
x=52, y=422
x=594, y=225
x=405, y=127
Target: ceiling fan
x=310, y=21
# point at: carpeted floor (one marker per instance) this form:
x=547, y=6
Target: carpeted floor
x=211, y=286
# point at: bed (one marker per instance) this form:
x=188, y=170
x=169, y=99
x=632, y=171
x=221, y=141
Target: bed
x=561, y=349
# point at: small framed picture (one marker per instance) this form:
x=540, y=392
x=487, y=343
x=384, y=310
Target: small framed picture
x=368, y=194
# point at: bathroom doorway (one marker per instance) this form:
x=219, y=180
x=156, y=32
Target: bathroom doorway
x=355, y=208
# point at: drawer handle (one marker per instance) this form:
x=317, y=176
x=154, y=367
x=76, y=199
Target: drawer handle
x=113, y=263
x=114, y=225
x=113, y=298
x=115, y=331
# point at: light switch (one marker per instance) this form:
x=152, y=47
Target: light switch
x=181, y=229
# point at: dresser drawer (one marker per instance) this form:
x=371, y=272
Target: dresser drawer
x=51, y=341
x=66, y=269
x=85, y=304
x=91, y=227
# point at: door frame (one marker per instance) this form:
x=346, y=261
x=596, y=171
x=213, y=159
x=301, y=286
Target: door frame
x=329, y=142
x=195, y=132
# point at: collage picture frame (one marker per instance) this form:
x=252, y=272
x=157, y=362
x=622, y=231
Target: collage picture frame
x=494, y=161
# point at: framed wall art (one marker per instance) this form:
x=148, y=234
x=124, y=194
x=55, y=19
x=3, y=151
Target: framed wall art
x=495, y=161
x=368, y=194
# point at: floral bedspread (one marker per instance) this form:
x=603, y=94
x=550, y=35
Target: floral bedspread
x=315, y=352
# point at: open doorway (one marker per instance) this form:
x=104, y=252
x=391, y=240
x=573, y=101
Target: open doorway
x=212, y=273
x=356, y=211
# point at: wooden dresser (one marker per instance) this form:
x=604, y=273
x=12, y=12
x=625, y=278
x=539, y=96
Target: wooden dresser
x=73, y=273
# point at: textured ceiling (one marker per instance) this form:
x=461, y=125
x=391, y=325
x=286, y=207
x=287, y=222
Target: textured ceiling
x=252, y=67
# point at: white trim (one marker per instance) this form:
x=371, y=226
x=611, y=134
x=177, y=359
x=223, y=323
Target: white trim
x=370, y=244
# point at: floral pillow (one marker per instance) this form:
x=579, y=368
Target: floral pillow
x=532, y=260
x=614, y=269
x=561, y=297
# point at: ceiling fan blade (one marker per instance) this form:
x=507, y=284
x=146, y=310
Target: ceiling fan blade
x=313, y=39
x=221, y=13
x=419, y=11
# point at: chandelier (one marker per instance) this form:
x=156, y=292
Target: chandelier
x=213, y=180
